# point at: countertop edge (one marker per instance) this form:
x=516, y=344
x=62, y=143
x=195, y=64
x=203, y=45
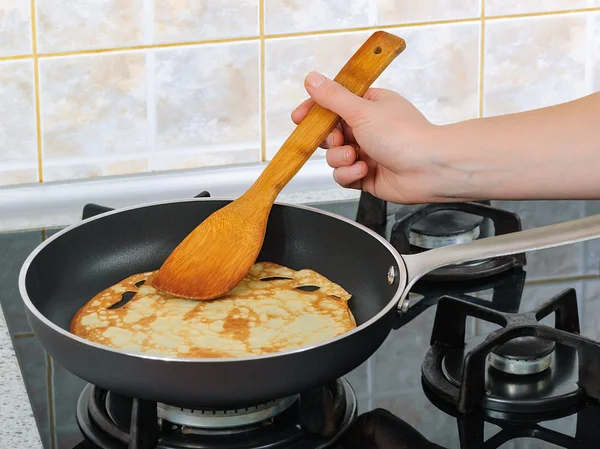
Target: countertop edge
x=19, y=429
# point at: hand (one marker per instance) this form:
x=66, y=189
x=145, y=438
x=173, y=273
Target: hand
x=379, y=429
x=547, y=153
x=397, y=158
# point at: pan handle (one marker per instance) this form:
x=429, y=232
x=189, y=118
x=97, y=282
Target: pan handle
x=565, y=233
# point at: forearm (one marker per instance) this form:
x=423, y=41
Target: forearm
x=549, y=153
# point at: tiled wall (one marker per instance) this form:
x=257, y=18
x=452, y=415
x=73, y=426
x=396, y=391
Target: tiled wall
x=106, y=87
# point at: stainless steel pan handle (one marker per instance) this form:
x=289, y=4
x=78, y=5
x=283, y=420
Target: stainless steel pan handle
x=417, y=265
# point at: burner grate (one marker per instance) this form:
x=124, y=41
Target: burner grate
x=449, y=335
x=316, y=419
x=433, y=225
x=505, y=222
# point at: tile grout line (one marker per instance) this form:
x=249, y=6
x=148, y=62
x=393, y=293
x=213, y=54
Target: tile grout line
x=300, y=34
x=36, y=85
x=370, y=388
x=49, y=378
x=558, y=280
x=24, y=335
x=481, y=58
x=262, y=107
x=15, y=58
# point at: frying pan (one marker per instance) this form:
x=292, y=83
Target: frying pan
x=72, y=266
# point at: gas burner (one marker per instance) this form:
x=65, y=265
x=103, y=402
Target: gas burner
x=524, y=367
x=413, y=229
x=506, y=392
x=224, y=419
x=316, y=419
x=421, y=228
x=443, y=228
x=523, y=356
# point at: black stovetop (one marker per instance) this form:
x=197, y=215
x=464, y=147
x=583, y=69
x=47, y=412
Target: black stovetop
x=391, y=378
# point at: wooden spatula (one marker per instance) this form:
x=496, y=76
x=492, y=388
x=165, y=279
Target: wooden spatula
x=217, y=255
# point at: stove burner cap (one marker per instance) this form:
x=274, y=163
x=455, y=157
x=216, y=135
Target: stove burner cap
x=445, y=228
x=549, y=390
x=523, y=356
x=525, y=348
x=445, y=223
x=224, y=419
x=430, y=242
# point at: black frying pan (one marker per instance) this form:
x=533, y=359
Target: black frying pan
x=69, y=268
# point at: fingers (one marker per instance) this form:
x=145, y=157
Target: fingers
x=351, y=175
x=335, y=139
x=300, y=112
x=341, y=156
x=372, y=94
x=335, y=97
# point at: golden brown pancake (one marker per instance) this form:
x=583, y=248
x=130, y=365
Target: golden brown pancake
x=267, y=312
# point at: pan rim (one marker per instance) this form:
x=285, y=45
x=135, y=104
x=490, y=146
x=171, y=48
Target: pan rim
x=394, y=302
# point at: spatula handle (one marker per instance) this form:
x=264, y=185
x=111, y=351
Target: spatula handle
x=363, y=68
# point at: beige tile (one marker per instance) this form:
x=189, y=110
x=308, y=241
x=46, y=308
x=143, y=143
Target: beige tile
x=534, y=62
x=93, y=169
x=407, y=11
x=222, y=155
x=65, y=25
x=502, y=7
x=287, y=63
x=15, y=27
x=93, y=105
x=193, y=20
x=207, y=95
x=18, y=176
x=438, y=72
x=594, y=43
x=18, y=141
x=292, y=16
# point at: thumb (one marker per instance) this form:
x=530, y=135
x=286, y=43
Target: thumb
x=335, y=97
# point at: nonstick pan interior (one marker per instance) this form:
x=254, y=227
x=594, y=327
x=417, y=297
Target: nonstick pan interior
x=95, y=255
x=70, y=268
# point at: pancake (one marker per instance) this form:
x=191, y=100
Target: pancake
x=269, y=311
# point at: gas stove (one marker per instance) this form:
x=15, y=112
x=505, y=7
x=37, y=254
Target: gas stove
x=484, y=357
x=418, y=228
x=312, y=420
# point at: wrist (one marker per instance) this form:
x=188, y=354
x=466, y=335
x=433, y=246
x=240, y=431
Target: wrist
x=457, y=162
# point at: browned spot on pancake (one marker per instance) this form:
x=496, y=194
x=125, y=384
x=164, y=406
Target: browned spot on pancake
x=265, y=313
x=237, y=323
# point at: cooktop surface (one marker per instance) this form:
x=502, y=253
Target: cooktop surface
x=392, y=380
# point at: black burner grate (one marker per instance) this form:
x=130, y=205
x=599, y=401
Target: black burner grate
x=449, y=335
x=448, y=218
x=318, y=420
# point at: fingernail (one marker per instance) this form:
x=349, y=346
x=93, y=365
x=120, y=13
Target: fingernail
x=329, y=140
x=314, y=79
x=346, y=155
x=356, y=169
